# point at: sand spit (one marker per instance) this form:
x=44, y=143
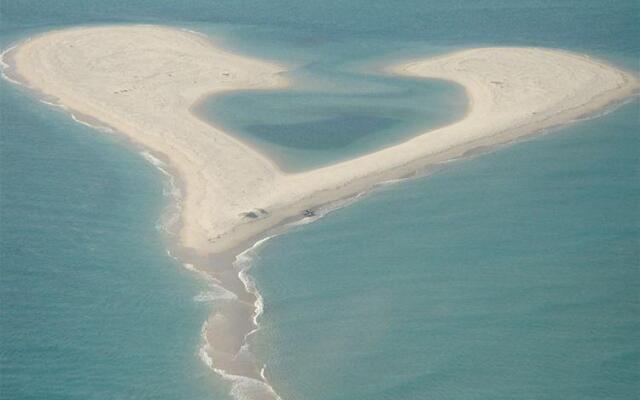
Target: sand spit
x=143, y=80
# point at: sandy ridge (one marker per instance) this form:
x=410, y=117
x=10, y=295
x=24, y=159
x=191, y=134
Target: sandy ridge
x=143, y=80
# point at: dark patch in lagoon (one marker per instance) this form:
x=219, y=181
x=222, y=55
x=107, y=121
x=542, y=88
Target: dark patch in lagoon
x=323, y=134
x=336, y=119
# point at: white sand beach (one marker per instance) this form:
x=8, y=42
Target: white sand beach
x=143, y=80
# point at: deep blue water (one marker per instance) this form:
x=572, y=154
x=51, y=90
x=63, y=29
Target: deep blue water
x=513, y=275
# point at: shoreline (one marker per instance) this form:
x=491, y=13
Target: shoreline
x=609, y=99
x=227, y=330
x=212, y=239
x=252, y=373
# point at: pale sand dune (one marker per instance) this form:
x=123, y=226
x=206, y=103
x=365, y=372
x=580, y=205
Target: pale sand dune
x=142, y=81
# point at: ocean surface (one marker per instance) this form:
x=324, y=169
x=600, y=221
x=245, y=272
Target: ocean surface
x=512, y=275
x=509, y=276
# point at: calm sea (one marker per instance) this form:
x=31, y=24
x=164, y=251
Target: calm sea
x=511, y=275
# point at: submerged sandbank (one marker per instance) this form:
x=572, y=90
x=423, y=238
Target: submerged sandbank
x=143, y=80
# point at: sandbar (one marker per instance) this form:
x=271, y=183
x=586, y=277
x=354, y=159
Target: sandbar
x=144, y=80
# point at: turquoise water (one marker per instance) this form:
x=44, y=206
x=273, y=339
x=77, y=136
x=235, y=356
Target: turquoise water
x=513, y=275
x=508, y=276
x=92, y=307
x=308, y=129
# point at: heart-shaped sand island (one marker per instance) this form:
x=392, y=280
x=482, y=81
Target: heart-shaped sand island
x=143, y=81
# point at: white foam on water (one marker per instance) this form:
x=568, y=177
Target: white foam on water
x=4, y=66
x=215, y=293
x=242, y=387
x=167, y=221
x=170, y=254
x=5, y=52
x=203, y=274
x=6, y=77
x=195, y=32
x=190, y=267
x=262, y=372
x=52, y=104
x=392, y=181
x=171, y=216
x=155, y=161
x=173, y=189
x=243, y=263
x=101, y=128
x=206, y=346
